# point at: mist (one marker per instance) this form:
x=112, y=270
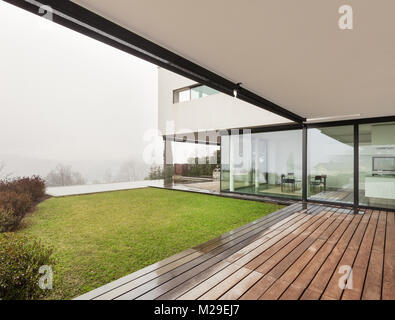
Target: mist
x=71, y=100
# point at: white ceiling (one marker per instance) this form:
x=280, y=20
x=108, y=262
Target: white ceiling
x=290, y=52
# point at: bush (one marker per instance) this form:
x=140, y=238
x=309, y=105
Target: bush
x=20, y=260
x=19, y=203
x=35, y=186
x=8, y=220
x=16, y=199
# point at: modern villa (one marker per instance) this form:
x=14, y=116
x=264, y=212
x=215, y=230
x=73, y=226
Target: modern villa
x=303, y=112
x=349, y=162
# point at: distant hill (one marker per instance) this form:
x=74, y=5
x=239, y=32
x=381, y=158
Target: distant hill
x=92, y=171
x=25, y=166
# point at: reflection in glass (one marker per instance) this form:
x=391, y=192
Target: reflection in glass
x=194, y=166
x=267, y=163
x=201, y=92
x=377, y=165
x=183, y=96
x=331, y=164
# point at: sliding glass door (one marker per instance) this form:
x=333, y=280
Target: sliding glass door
x=330, y=164
x=267, y=163
x=270, y=164
x=377, y=165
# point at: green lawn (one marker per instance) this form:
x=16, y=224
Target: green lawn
x=102, y=237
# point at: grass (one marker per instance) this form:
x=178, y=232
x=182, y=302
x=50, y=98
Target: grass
x=101, y=237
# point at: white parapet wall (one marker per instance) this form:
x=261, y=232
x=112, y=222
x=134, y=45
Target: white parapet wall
x=214, y=112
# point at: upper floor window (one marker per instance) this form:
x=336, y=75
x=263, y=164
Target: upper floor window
x=192, y=92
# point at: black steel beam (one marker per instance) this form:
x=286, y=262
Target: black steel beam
x=304, y=164
x=266, y=128
x=295, y=126
x=95, y=26
x=351, y=122
x=356, y=167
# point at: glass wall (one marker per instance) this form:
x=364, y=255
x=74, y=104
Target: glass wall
x=225, y=149
x=192, y=165
x=201, y=92
x=192, y=93
x=330, y=164
x=377, y=165
x=268, y=163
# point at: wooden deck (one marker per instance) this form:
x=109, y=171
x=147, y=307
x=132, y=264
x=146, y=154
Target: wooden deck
x=343, y=196
x=295, y=253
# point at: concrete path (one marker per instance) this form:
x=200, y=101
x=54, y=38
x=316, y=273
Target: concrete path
x=95, y=188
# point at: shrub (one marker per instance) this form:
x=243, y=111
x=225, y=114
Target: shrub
x=35, y=186
x=20, y=260
x=8, y=220
x=19, y=203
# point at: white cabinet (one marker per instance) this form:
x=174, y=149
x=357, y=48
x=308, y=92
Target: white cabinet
x=380, y=187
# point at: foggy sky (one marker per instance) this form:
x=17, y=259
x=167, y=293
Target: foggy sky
x=64, y=96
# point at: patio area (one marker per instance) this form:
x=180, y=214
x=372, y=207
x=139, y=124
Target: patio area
x=299, y=252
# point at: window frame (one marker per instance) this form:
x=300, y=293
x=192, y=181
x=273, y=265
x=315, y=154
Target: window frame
x=176, y=92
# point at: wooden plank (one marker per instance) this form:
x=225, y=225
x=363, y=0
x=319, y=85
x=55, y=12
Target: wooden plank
x=164, y=274
x=388, y=291
x=313, y=242
x=266, y=238
x=311, y=294
x=130, y=277
x=333, y=289
x=267, y=253
x=192, y=253
x=308, y=241
x=271, y=238
x=374, y=276
x=256, y=290
x=322, y=278
x=373, y=282
x=269, y=218
x=294, y=249
x=222, y=287
x=157, y=287
x=238, y=290
x=169, y=289
x=275, y=291
x=209, y=283
x=294, y=253
x=275, y=243
x=245, y=259
x=299, y=240
x=260, y=225
x=333, y=247
x=278, y=288
x=361, y=264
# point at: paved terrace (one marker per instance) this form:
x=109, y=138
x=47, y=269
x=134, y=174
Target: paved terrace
x=104, y=187
x=294, y=253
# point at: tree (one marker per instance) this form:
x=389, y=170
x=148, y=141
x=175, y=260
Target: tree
x=77, y=178
x=108, y=176
x=155, y=173
x=4, y=175
x=63, y=175
x=132, y=171
x=127, y=172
